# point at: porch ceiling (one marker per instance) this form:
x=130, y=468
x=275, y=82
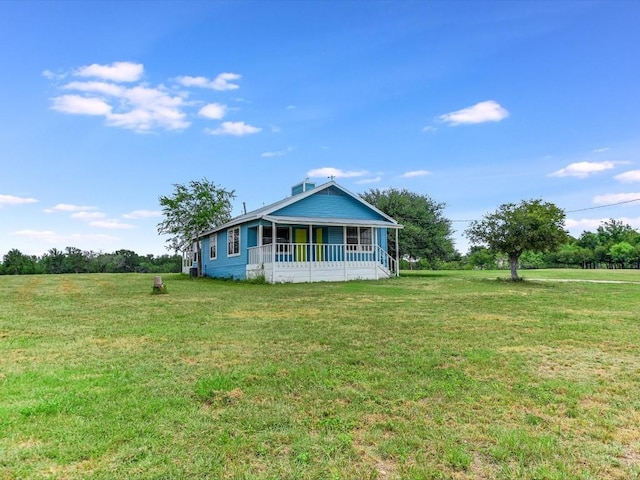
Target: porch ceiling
x=331, y=222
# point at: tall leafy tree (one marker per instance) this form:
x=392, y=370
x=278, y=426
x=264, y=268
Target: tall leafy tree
x=513, y=228
x=426, y=234
x=17, y=263
x=53, y=261
x=191, y=210
x=615, y=231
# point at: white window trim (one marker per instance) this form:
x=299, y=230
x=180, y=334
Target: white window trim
x=229, y=243
x=213, y=241
x=360, y=247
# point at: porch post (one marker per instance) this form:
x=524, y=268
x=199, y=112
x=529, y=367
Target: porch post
x=344, y=250
x=397, y=256
x=310, y=254
x=374, y=234
x=274, y=239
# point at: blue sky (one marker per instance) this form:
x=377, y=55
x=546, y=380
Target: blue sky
x=106, y=105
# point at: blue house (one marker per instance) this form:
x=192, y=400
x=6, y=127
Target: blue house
x=323, y=233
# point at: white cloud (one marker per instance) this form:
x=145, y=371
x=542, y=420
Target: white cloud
x=278, y=153
x=116, y=72
x=632, y=176
x=141, y=107
x=234, y=128
x=136, y=214
x=214, y=111
x=138, y=108
x=489, y=111
x=335, y=172
x=291, y=107
x=616, y=198
x=115, y=224
x=97, y=87
x=415, y=173
x=365, y=181
x=429, y=128
x=583, y=169
x=52, y=75
x=601, y=150
x=65, y=207
x=221, y=82
x=77, y=105
x=150, y=107
x=13, y=200
x=87, y=216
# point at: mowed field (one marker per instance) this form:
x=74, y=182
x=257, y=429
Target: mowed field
x=443, y=375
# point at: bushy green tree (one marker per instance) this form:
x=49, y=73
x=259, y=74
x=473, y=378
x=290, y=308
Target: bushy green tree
x=191, y=210
x=426, y=235
x=622, y=253
x=482, y=258
x=17, y=263
x=513, y=228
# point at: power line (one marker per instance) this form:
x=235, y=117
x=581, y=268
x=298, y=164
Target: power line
x=603, y=206
x=573, y=211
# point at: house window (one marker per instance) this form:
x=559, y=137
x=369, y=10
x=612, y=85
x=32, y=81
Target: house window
x=283, y=235
x=213, y=246
x=360, y=238
x=233, y=241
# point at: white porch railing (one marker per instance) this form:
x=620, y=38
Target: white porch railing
x=299, y=255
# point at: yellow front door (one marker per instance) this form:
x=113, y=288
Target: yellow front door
x=300, y=236
x=319, y=250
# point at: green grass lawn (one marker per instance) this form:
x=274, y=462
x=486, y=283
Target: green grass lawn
x=432, y=375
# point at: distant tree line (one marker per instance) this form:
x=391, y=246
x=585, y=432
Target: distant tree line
x=614, y=245
x=74, y=260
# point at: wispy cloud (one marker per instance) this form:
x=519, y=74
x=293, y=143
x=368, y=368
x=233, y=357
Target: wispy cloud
x=429, y=128
x=415, y=173
x=114, y=224
x=116, y=72
x=13, y=200
x=88, y=216
x=489, y=111
x=66, y=207
x=78, y=105
x=601, y=150
x=632, y=176
x=366, y=181
x=221, y=82
x=583, y=169
x=138, y=214
x=234, y=128
x=335, y=172
x=612, y=198
x=278, y=153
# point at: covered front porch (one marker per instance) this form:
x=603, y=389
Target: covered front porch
x=335, y=253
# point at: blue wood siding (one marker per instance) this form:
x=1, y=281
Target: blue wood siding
x=336, y=235
x=225, y=266
x=383, y=239
x=329, y=203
